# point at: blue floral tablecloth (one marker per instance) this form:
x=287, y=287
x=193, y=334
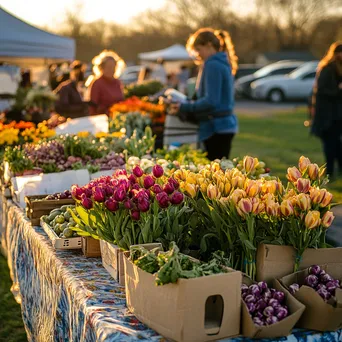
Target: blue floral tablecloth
x=67, y=297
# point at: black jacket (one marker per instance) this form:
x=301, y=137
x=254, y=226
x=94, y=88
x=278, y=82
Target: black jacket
x=327, y=100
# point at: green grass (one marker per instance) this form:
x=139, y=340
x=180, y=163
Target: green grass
x=279, y=140
x=11, y=324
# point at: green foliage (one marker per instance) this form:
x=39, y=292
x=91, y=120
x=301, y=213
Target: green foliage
x=145, y=88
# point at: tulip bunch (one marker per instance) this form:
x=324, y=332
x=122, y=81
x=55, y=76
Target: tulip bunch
x=135, y=208
x=240, y=212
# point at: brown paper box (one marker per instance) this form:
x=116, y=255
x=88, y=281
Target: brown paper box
x=282, y=328
x=178, y=311
x=91, y=247
x=274, y=262
x=318, y=314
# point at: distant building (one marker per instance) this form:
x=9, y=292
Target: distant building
x=272, y=57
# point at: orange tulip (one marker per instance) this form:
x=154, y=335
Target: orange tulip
x=213, y=192
x=244, y=206
x=252, y=188
x=303, y=163
x=286, y=208
x=303, y=202
x=248, y=163
x=327, y=219
x=312, y=219
x=327, y=198
x=303, y=185
x=237, y=195
x=293, y=174
x=313, y=171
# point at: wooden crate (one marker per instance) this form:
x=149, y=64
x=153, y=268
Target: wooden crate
x=36, y=209
x=91, y=247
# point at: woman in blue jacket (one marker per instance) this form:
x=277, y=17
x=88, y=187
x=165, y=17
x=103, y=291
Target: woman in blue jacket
x=213, y=106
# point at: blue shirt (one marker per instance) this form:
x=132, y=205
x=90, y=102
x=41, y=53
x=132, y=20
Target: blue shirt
x=215, y=95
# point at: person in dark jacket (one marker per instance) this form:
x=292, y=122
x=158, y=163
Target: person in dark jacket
x=70, y=103
x=213, y=108
x=327, y=106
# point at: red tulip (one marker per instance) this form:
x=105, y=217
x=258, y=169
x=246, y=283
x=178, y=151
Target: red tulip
x=157, y=188
x=76, y=192
x=163, y=199
x=174, y=183
x=169, y=188
x=86, y=202
x=99, y=194
x=135, y=214
x=112, y=205
x=143, y=204
x=158, y=171
x=138, y=172
x=120, y=194
x=148, y=182
x=177, y=197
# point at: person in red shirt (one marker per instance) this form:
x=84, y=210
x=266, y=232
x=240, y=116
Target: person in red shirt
x=106, y=90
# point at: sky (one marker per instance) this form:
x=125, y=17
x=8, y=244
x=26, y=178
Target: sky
x=46, y=13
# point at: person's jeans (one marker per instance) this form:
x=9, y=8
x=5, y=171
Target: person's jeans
x=218, y=146
x=332, y=147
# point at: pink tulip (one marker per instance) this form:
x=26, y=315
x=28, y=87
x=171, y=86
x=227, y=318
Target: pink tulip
x=157, y=188
x=177, y=198
x=138, y=172
x=157, y=171
x=99, y=194
x=163, y=199
x=112, y=205
x=173, y=182
x=143, y=204
x=169, y=188
x=119, y=194
x=148, y=182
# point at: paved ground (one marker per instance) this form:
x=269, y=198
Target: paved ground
x=263, y=108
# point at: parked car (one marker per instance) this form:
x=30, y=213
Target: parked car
x=294, y=86
x=246, y=70
x=243, y=84
x=130, y=74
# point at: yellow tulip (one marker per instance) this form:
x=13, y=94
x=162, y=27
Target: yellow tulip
x=327, y=219
x=293, y=174
x=191, y=189
x=253, y=188
x=316, y=195
x=220, y=186
x=303, y=163
x=286, y=208
x=257, y=206
x=237, y=195
x=238, y=182
x=215, y=166
x=204, y=187
x=249, y=163
x=180, y=174
x=244, y=206
x=312, y=219
x=303, y=202
x=303, y=185
x=313, y=171
x=227, y=188
x=272, y=208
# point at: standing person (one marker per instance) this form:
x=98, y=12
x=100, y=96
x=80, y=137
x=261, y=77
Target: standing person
x=213, y=107
x=106, y=90
x=183, y=77
x=159, y=73
x=70, y=103
x=327, y=104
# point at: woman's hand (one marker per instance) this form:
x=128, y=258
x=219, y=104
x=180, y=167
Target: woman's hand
x=173, y=108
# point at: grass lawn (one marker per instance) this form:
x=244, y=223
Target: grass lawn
x=279, y=140
x=11, y=324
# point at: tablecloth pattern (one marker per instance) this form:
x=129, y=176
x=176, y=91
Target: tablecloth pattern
x=67, y=297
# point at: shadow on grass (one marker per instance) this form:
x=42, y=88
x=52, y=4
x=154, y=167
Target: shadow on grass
x=11, y=324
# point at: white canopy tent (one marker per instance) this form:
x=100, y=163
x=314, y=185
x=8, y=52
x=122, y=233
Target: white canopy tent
x=28, y=46
x=175, y=52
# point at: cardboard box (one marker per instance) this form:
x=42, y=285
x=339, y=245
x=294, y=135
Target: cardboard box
x=282, y=328
x=274, y=261
x=91, y=247
x=36, y=209
x=198, y=309
x=318, y=315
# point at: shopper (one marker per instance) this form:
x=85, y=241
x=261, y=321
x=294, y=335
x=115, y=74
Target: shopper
x=213, y=108
x=106, y=89
x=70, y=103
x=327, y=103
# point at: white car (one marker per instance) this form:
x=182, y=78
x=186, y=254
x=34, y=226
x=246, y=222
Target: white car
x=130, y=74
x=295, y=85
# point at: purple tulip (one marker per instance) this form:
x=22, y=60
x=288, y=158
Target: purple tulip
x=136, y=186
x=314, y=270
x=169, y=188
x=268, y=311
x=271, y=320
x=157, y=188
x=273, y=302
x=148, y=182
x=112, y=205
x=321, y=286
x=109, y=190
x=259, y=314
x=311, y=280
x=262, y=285
x=267, y=295
x=132, y=179
x=143, y=205
x=281, y=313
x=250, y=307
x=177, y=198
x=261, y=305
x=119, y=194
x=173, y=182
x=88, y=192
x=86, y=202
x=293, y=288
x=158, y=171
x=257, y=321
x=250, y=299
x=244, y=294
x=279, y=296
x=325, y=278
x=128, y=204
x=137, y=171
x=135, y=214
x=324, y=294
x=163, y=199
x=76, y=192
x=99, y=194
